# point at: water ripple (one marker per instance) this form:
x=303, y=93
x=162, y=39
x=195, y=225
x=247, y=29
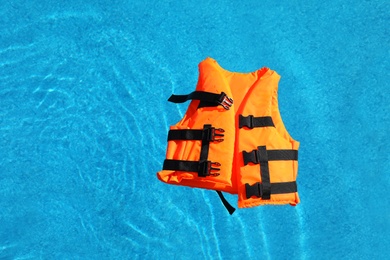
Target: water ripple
x=213, y=223
x=302, y=231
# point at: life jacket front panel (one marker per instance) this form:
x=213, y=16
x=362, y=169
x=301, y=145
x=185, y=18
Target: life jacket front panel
x=219, y=151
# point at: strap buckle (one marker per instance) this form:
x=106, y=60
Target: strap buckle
x=246, y=121
x=225, y=101
x=254, y=190
x=256, y=156
x=213, y=134
x=258, y=190
x=207, y=168
x=251, y=156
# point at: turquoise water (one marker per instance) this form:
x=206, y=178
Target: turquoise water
x=84, y=118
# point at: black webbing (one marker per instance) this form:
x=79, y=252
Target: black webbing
x=257, y=189
x=203, y=167
x=186, y=134
x=272, y=155
x=227, y=205
x=251, y=121
x=180, y=165
x=204, y=150
x=207, y=99
x=198, y=95
x=261, y=156
x=264, y=171
x=208, y=133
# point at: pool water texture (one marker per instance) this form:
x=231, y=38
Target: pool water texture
x=84, y=119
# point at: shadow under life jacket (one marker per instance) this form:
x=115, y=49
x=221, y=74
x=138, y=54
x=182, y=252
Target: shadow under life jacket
x=232, y=139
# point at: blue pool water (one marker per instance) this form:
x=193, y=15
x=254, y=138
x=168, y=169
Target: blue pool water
x=84, y=118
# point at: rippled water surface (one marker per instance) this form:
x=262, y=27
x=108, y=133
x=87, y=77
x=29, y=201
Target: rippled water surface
x=84, y=118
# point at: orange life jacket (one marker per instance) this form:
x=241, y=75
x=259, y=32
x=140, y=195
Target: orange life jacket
x=232, y=138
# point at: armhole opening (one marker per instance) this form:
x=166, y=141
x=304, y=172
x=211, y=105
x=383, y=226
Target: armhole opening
x=279, y=125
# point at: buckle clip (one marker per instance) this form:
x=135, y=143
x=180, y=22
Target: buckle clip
x=252, y=156
x=251, y=125
x=259, y=190
x=250, y=117
x=225, y=101
x=213, y=134
x=256, y=156
x=207, y=168
x=246, y=121
x=254, y=190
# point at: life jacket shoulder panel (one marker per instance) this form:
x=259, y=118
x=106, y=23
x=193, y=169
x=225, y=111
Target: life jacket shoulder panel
x=232, y=138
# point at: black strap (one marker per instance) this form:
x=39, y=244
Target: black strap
x=181, y=165
x=264, y=171
x=204, y=154
x=257, y=189
x=205, y=168
x=207, y=99
x=227, y=205
x=272, y=155
x=261, y=156
x=210, y=134
x=251, y=121
x=185, y=134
